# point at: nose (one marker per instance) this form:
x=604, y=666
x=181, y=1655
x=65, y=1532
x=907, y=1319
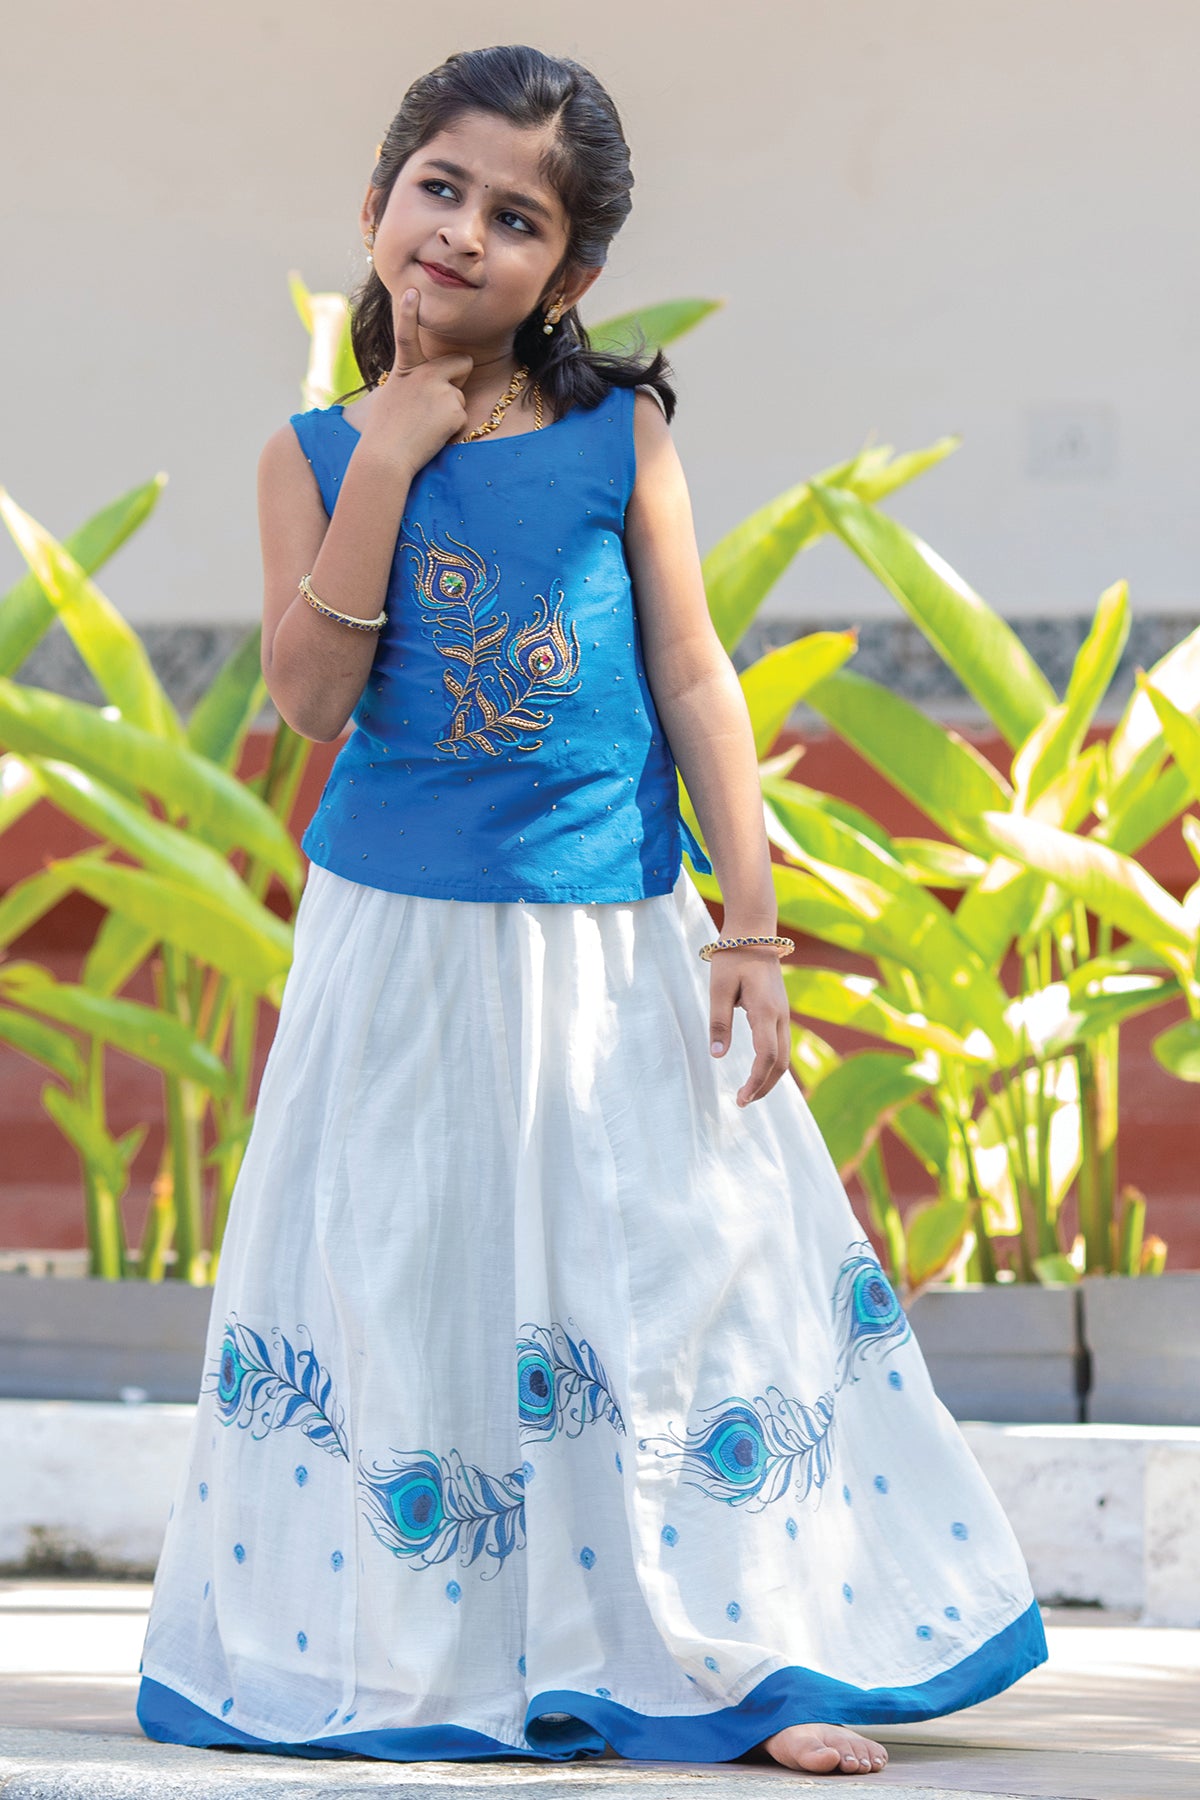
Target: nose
x=464, y=232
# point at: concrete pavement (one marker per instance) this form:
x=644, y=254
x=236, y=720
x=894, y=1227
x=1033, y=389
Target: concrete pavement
x=1112, y=1716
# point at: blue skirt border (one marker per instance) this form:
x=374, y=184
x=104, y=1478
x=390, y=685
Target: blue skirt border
x=787, y=1697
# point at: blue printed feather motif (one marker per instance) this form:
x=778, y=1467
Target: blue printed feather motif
x=561, y=1383
x=750, y=1452
x=261, y=1391
x=428, y=1508
x=867, y=1316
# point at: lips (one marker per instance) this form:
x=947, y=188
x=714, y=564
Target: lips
x=445, y=277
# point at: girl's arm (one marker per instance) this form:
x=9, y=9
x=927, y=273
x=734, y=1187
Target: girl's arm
x=699, y=700
x=315, y=667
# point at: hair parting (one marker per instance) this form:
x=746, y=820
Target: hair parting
x=588, y=165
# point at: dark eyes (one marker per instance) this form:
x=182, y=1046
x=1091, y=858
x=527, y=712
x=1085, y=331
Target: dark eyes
x=514, y=220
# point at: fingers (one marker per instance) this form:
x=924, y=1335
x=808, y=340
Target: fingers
x=770, y=1025
x=409, y=354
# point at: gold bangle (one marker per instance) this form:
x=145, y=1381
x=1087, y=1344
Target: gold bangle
x=331, y=612
x=782, y=944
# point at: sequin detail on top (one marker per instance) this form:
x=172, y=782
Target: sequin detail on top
x=501, y=673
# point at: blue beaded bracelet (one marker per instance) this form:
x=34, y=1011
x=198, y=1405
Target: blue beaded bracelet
x=783, y=944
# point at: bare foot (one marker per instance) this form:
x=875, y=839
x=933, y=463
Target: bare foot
x=824, y=1749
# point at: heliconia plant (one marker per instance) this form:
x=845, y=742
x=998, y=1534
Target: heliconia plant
x=1005, y=1089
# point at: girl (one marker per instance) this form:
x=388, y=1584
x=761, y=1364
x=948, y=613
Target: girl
x=553, y=1401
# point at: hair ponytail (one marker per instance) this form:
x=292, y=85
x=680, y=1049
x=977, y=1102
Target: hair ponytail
x=588, y=165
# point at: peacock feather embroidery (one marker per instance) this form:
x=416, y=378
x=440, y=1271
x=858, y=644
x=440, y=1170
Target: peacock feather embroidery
x=867, y=1316
x=750, y=1452
x=498, y=675
x=561, y=1383
x=255, y=1387
x=427, y=1508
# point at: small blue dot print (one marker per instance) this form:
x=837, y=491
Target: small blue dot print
x=895, y=1379
x=330, y=1716
x=958, y=1529
x=952, y=1612
x=924, y=1631
x=848, y=1592
x=846, y=1495
x=301, y=1474
x=521, y=1664
x=239, y=1551
x=881, y=1483
x=453, y=1592
x=204, y=1490
x=733, y=1611
x=227, y=1707
x=302, y=1639
x=604, y=1693
x=346, y=1717
x=710, y=1662
x=336, y=1559
x=617, y=1458
x=527, y=1470
x=670, y=1535
x=791, y=1527
x=587, y=1556
x=207, y=1585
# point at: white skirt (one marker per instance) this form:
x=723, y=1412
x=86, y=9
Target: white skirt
x=551, y=1399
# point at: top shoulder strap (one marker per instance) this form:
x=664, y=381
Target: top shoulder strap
x=326, y=447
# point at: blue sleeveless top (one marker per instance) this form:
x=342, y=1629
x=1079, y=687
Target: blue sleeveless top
x=506, y=743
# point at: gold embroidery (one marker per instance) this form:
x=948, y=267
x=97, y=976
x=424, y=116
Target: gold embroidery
x=503, y=673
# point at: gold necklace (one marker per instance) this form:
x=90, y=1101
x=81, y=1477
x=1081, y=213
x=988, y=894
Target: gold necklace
x=495, y=418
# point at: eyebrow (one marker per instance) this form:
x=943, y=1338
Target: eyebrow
x=526, y=201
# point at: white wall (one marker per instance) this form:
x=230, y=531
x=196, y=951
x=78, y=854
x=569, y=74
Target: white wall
x=924, y=215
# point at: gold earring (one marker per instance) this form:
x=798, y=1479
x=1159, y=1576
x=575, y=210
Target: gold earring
x=553, y=315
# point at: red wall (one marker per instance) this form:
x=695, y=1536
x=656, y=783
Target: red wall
x=40, y=1204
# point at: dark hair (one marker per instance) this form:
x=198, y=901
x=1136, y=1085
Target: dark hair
x=587, y=165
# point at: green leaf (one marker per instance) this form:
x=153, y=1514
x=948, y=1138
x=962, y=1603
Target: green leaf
x=29, y=900
x=939, y=772
x=1055, y=1269
x=141, y=1031
x=196, y=922
x=1136, y=747
x=224, y=714
x=108, y=645
x=19, y=790
x=926, y=1134
x=1058, y=738
x=934, y=1233
x=1178, y=1049
x=220, y=809
x=53, y=1049
x=773, y=686
x=332, y=368
x=166, y=848
x=1181, y=732
x=937, y=864
x=118, y=948
x=25, y=612
x=857, y=1001
x=854, y=1101
x=974, y=642
x=744, y=566
x=1112, y=886
x=633, y=333
x=97, y=1150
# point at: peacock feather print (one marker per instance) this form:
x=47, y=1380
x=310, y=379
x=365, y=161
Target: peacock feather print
x=750, y=1452
x=561, y=1383
x=428, y=1508
x=498, y=676
x=261, y=1390
x=868, y=1318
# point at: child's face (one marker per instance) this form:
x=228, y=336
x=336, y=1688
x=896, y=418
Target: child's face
x=472, y=203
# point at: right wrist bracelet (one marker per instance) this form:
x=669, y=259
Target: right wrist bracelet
x=331, y=612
